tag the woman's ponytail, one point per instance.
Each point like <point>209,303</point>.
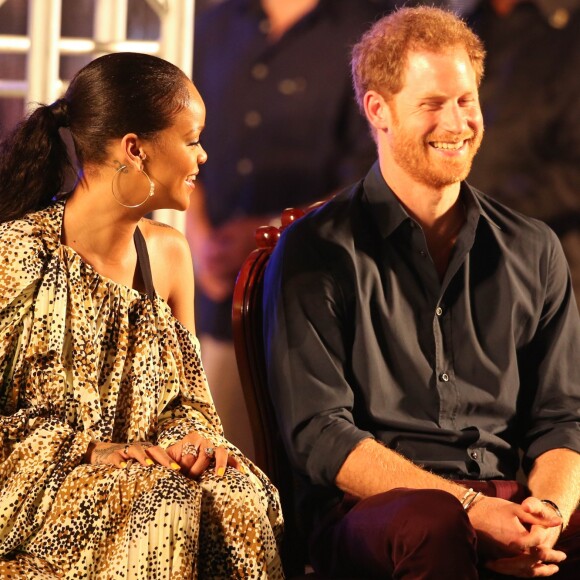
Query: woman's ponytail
<point>34,161</point>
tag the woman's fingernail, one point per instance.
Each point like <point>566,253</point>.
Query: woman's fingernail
<point>123,465</point>
<point>149,461</point>
<point>175,465</point>
<point>221,471</point>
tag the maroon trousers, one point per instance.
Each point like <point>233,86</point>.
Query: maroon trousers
<point>415,534</point>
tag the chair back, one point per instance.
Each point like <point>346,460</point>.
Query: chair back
<point>270,454</point>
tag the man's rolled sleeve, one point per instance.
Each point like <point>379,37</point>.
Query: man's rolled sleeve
<point>331,448</point>
<point>551,364</point>
<point>305,341</point>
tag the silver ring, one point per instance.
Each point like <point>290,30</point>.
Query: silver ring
<point>209,451</point>
<point>189,449</point>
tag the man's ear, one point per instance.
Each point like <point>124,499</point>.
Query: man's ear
<point>377,110</point>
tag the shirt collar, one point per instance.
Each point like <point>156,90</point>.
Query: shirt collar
<point>385,208</point>
<point>388,213</point>
<point>471,197</point>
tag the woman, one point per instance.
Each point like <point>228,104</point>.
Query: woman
<point>113,461</point>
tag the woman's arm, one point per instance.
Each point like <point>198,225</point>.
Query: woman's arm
<point>172,269</point>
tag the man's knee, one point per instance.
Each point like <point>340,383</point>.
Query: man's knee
<point>426,515</point>
<point>408,528</point>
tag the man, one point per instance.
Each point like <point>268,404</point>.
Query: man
<point>283,130</point>
<point>419,334</point>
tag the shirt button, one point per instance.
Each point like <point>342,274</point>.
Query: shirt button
<point>245,166</point>
<point>260,71</point>
<point>253,119</point>
<point>560,18</point>
<point>422,253</point>
<point>264,26</point>
<point>474,455</point>
<point>444,377</point>
<point>439,311</point>
<point>289,87</point>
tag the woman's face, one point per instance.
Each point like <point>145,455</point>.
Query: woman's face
<point>174,157</point>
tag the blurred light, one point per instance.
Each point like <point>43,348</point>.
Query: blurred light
<point>11,44</point>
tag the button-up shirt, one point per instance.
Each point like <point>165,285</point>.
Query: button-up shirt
<point>364,339</point>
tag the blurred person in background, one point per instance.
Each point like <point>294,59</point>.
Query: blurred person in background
<point>284,131</point>
<point>530,98</point>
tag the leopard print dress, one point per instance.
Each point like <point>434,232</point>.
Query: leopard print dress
<point>83,358</point>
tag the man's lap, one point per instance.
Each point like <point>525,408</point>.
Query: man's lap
<point>403,531</point>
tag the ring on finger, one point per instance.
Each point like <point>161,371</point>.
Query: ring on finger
<point>189,449</point>
<point>209,452</point>
<point>126,449</point>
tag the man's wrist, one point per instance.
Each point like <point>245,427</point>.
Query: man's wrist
<point>554,507</point>
<point>470,498</point>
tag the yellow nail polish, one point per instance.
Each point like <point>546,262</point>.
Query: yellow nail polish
<point>175,466</point>
<point>123,464</point>
<point>149,461</point>
<point>221,471</point>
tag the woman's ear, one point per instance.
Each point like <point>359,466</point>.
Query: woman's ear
<point>132,150</point>
<point>377,110</point>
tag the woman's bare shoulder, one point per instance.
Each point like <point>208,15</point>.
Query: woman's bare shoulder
<point>170,258</point>
<point>161,237</point>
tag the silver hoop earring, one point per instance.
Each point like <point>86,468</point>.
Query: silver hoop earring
<point>150,193</point>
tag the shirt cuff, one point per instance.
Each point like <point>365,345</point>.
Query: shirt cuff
<point>331,449</point>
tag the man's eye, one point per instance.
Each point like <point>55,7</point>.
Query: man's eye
<point>431,105</point>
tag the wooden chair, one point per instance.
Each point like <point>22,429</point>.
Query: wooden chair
<point>248,341</point>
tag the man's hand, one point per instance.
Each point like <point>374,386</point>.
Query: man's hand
<point>517,540</point>
<point>527,565</point>
<point>543,535</point>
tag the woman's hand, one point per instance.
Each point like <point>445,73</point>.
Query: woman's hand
<point>145,453</point>
<point>195,454</point>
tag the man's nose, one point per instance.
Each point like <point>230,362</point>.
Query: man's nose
<point>454,119</point>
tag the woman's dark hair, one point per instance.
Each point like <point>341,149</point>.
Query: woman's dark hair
<point>113,95</point>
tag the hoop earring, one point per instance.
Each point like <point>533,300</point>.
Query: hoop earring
<point>150,193</point>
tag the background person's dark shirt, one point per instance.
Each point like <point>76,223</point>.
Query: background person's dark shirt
<point>363,340</point>
<point>282,125</point>
<point>530,99</point>
<point>283,129</point>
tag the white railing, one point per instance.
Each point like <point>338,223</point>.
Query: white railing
<point>43,46</point>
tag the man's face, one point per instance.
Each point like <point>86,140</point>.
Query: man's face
<point>436,126</point>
